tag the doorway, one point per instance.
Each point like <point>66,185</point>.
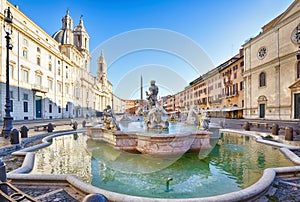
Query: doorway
<point>38,106</point>
<point>262,110</point>
<point>297,106</point>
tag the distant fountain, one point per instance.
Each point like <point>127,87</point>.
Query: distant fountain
<point>125,117</point>
<point>192,117</point>
<point>198,118</point>
<point>204,120</point>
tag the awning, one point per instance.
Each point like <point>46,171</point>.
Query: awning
<point>228,109</point>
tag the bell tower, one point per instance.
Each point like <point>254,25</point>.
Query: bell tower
<point>81,37</point>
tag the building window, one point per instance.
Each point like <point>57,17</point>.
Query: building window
<point>38,80</point>
<point>59,87</point>
<point>67,89</point>
<point>67,107</point>
<point>11,71</point>
<point>25,76</point>
<point>76,93</point>
<point>25,54</point>
<point>262,79</point>
<point>298,70</point>
<point>11,94</point>
<point>38,49</point>
<point>67,75</point>
<point>25,96</point>
<point>50,108</point>
<point>235,88</point>
<point>38,60</point>
<point>58,71</point>
<point>241,85</point>
<point>25,106</point>
<point>11,105</point>
<point>50,84</point>
<point>59,110</point>
<point>50,67</point>
<point>25,42</point>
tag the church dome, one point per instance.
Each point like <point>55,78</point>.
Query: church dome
<point>60,36</point>
<point>65,34</point>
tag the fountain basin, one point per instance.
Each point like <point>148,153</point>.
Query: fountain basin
<point>153,144</point>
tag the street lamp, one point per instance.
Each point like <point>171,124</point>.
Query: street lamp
<point>7,126</point>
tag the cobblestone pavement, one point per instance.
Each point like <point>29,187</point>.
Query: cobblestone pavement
<point>48,193</point>
<point>286,189</point>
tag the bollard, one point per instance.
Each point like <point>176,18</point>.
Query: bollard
<point>3,178</point>
<point>83,123</point>
<point>275,129</point>
<point>247,126</point>
<point>222,124</point>
<point>95,198</point>
<point>289,133</point>
<point>75,124</point>
<point>14,136</point>
<point>50,127</point>
<point>24,131</point>
<point>297,130</point>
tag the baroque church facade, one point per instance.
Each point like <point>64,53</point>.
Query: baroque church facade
<point>272,68</point>
<point>50,76</point>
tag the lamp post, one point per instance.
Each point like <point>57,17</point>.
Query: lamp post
<point>7,126</point>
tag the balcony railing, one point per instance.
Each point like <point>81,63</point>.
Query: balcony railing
<point>232,95</point>
<point>39,88</point>
<point>218,101</point>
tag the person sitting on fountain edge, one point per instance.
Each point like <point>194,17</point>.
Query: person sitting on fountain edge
<point>152,96</point>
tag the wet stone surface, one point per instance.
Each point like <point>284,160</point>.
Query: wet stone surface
<point>45,194</point>
<point>287,189</point>
<point>58,196</point>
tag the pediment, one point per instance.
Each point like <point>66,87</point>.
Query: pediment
<point>295,85</point>
<point>290,11</point>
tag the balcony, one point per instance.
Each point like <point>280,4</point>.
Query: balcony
<point>39,88</point>
<point>227,81</point>
<point>217,101</point>
<point>232,95</point>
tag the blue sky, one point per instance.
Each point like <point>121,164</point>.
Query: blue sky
<point>219,28</point>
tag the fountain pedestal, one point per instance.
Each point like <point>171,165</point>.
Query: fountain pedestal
<point>154,144</point>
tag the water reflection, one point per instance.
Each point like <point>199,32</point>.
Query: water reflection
<point>237,162</point>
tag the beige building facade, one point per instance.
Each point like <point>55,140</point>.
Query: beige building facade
<point>272,79</point>
<point>50,75</point>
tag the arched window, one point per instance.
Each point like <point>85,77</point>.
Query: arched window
<point>298,70</point>
<point>262,79</point>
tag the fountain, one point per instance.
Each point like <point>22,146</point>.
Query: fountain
<point>156,139</point>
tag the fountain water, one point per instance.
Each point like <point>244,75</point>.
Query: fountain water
<point>152,140</point>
